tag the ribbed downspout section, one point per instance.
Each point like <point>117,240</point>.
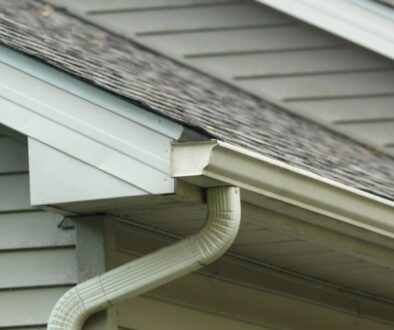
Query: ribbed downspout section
<point>155,269</point>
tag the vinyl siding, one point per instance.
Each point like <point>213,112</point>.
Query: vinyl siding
<point>37,258</point>
<point>267,53</point>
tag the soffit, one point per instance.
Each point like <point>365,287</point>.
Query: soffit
<point>275,298</point>
<point>265,238</point>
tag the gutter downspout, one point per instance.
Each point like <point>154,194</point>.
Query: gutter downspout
<point>155,269</point>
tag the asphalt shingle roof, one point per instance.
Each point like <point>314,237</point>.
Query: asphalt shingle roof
<point>182,94</point>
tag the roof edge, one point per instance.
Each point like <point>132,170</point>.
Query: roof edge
<point>116,104</point>
<point>358,21</point>
<point>217,163</point>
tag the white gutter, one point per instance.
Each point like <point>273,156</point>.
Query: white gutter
<point>366,23</point>
<point>276,186</point>
<point>155,269</point>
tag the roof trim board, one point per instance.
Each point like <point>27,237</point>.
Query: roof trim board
<point>86,123</point>
<point>88,92</point>
<point>352,20</point>
<point>76,182</point>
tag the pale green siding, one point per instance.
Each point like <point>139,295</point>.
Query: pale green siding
<point>37,258</point>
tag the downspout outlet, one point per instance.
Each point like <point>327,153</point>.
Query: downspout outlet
<point>155,269</point>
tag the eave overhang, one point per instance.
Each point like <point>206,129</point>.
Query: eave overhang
<point>85,144</point>
<point>366,23</point>
<point>306,198</point>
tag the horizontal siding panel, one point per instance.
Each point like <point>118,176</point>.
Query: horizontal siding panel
<point>21,308</point>
<point>14,192</point>
<point>209,17</point>
<point>29,328</point>
<point>334,110</point>
<point>245,40</point>
<point>33,230</point>
<point>13,156</point>
<point>389,149</point>
<point>381,133</point>
<point>105,5</point>
<point>37,268</point>
<point>290,63</point>
<point>325,86</point>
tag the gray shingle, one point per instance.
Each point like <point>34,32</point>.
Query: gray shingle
<point>189,97</point>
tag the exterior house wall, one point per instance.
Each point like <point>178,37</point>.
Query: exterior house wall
<point>37,257</point>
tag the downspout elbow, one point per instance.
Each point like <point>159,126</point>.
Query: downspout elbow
<point>155,269</point>
<point>222,223</point>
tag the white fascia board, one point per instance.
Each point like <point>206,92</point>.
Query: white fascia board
<point>89,93</point>
<point>354,20</point>
<point>61,179</point>
<point>83,122</point>
<point>323,202</point>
